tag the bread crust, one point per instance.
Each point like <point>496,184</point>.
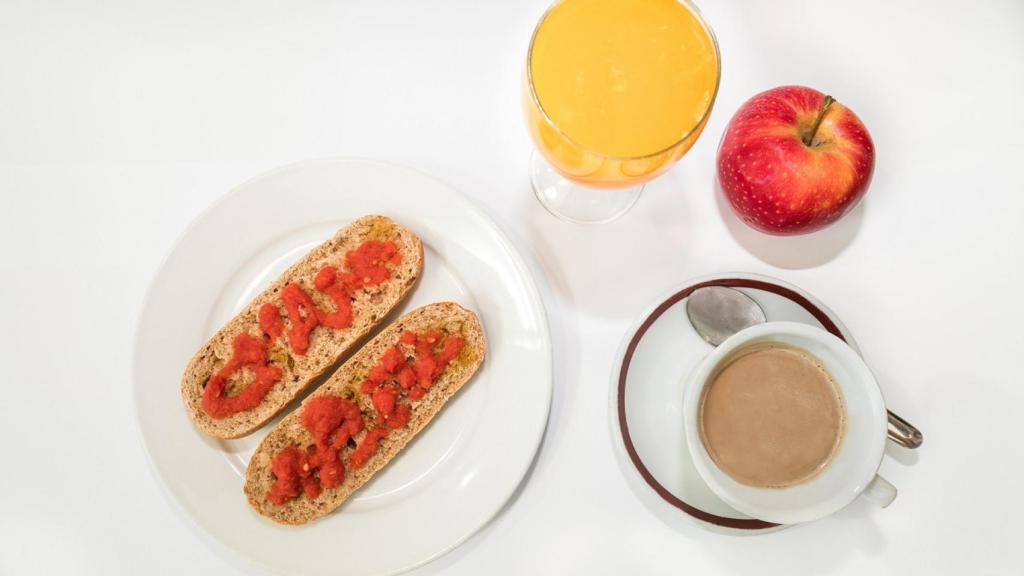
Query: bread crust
<point>327,346</point>
<point>345,382</point>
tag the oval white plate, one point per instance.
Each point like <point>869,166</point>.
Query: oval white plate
<point>452,478</point>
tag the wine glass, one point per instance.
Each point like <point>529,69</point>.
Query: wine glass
<point>615,92</point>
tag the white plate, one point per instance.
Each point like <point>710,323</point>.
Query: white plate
<point>449,481</point>
<point>646,398</point>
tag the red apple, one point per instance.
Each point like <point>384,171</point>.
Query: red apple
<point>793,160</point>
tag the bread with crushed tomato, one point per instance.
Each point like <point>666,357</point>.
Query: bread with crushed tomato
<point>448,317</point>
<point>327,346</point>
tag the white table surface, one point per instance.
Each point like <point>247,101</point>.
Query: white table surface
<point>120,121</point>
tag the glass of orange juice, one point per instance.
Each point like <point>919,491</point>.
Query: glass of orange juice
<point>616,91</point>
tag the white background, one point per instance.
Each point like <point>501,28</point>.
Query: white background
<point>120,121</point>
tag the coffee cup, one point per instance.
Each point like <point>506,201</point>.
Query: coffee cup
<point>849,468</point>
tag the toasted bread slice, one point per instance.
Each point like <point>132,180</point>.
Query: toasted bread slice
<point>345,382</point>
<point>326,345</point>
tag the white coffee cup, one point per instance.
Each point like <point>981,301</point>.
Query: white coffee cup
<point>853,470</point>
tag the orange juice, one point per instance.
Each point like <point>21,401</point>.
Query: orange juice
<point>619,89</point>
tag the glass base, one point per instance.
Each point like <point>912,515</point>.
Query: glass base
<point>574,202</point>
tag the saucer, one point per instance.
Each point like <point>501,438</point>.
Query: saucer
<point>647,397</point>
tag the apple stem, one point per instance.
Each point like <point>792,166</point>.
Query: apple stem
<point>809,137</point>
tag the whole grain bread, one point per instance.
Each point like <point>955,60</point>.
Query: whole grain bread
<point>345,382</point>
<point>326,346</point>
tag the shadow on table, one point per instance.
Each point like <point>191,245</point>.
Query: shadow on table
<point>609,269</point>
<point>815,548</point>
<point>792,252</point>
<point>812,548</point>
<point>905,456</point>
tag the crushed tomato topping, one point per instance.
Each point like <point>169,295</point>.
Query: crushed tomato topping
<point>249,352</point>
<point>367,268</point>
<point>402,374</point>
<point>331,421</point>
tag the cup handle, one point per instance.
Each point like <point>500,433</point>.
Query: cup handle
<point>880,491</point>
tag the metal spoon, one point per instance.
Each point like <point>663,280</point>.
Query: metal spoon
<point>717,312</point>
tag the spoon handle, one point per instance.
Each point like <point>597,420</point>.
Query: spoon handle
<point>904,433</point>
